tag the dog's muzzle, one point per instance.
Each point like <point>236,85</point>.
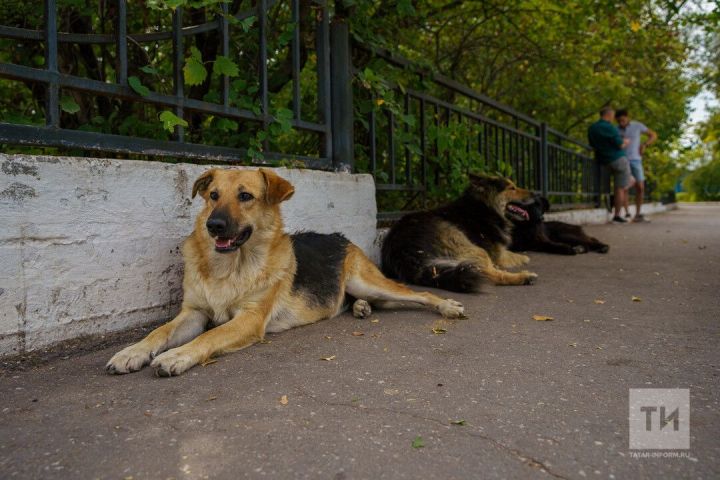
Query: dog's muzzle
<point>230,244</point>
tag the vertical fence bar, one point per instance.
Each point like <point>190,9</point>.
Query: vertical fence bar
<point>544,159</point>
<point>262,67</point>
<point>423,153</point>
<point>342,100</point>
<point>178,59</point>
<point>52,89</point>
<point>296,58</point>
<point>373,143</point>
<point>121,42</point>
<point>406,148</point>
<point>436,109</point>
<point>391,144</point>
<point>225,39</point>
<point>322,47</point>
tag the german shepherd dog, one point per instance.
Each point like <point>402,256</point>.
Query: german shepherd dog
<point>244,276</point>
<point>458,246</point>
<point>551,237</point>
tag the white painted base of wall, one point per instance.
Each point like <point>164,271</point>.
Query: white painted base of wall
<point>90,246</point>
<point>601,215</point>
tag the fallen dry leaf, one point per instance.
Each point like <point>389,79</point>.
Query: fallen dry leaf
<point>542,318</point>
<point>327,359</point>
<point>458,422</point>
<point>574,344</point>
<point>210,399</point>
<point>599,302</point>
<point>209,361</point>
<point>636,299</point>
<point>283,400</point>
<point>374,320</point>
<point>439,330</point>
<point>358,334</point>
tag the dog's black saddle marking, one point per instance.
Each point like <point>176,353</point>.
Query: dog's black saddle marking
<point>320,260</point>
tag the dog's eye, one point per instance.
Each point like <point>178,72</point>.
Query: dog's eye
<point>214,195</point>
<point>245,196</point>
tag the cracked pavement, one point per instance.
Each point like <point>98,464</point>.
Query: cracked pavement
<point>538,398</point>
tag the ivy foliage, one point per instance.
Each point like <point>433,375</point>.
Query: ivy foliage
<point>150,70</point>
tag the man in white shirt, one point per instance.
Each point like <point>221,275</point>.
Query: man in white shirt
<point>633,131</point>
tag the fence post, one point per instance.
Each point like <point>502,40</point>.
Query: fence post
<point>544,159</point>
<point>341,95</point>
<point>597,184</point>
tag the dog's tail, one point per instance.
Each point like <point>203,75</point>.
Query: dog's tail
<point>444,273</point>
<point>452,275</point>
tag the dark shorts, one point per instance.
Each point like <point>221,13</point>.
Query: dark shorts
<point>620,170</point>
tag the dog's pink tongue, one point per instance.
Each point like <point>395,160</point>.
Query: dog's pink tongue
<point>223,242</point>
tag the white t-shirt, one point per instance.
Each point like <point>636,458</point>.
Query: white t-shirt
<point>633,132</point>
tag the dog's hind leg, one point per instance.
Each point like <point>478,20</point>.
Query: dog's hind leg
<point>187,325</point>
<point>365,281</point>
<point>508,259</point>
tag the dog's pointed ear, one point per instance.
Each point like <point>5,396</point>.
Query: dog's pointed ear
<point>277,189</point>
<point>477,181</point>
<point>202,183</point>
<point>545,204</point>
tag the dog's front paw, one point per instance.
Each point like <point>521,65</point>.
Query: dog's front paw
<point>129,359</point>
<point>529,277</point>
<point>451,309</point>
<point>579,249</point>
<point>361,309</point>
<point>173,362</point>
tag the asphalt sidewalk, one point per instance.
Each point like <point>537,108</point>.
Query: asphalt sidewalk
<point>377,398</point>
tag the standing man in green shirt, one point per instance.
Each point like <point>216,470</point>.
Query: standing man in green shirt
<point>609,147</point>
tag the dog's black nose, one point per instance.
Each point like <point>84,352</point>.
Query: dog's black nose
<point>216,226</point>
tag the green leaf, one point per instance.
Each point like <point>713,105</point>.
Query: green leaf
<point>405,8</point>
<point>137,85</point>
<point>226,124</point>
<point>458,422</point>
<point>247,23</point>
<point>170,120</point>
<point>238,85</point>
<point>194,71</point>
<point>68,104</point>
<point>149,70</point>
<point>224,66</point>
<point>418,442</point>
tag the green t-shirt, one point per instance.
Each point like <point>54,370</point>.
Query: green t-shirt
<point>606,141</point>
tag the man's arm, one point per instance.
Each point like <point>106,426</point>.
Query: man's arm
<point>651,138</point>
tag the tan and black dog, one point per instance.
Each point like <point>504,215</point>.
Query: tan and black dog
<point>458,246</point>
<point>245,277</point>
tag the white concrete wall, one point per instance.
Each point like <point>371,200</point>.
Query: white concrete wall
<point>601,215</point>
<point>90,246</point>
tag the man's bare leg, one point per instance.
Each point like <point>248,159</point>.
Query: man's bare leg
<point>639,194</point>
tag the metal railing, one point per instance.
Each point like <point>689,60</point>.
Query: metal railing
<point>499,138</point>
<point>408,159</point>
<point>52,134</point>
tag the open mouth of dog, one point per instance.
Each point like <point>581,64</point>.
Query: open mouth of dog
<point>516,212</point>
<point>230,244</point>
